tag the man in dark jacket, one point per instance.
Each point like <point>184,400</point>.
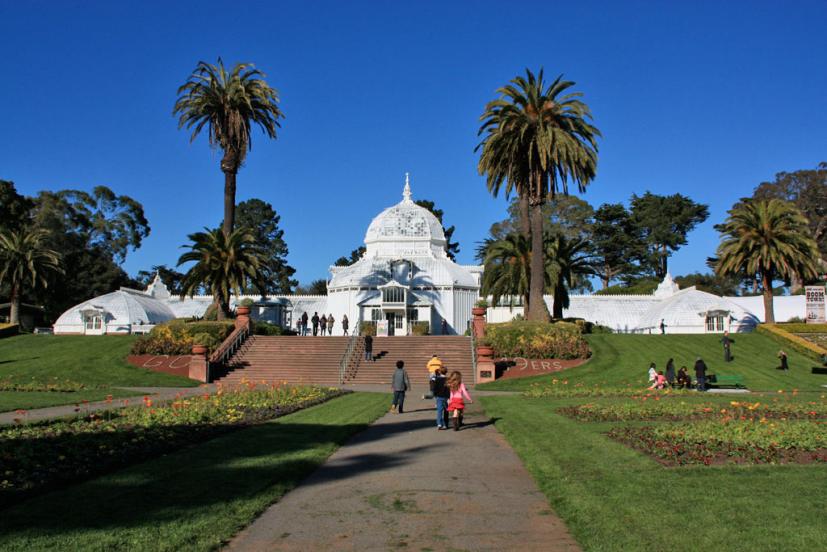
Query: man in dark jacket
<point>399,384</point>
<point>368,347</point>
<point>700,374</point>
<point>727,343</point>
<point>304,323</point>
<point>315,322</point>
<point>440,391</point>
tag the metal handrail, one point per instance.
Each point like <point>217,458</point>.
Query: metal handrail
<point>347,357</point>
<point>230,345</point>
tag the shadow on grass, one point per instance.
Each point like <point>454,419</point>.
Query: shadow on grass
<point>204,481</point>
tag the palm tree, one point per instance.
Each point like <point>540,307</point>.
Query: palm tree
<point>769,238</point>
<point>26,260</point>
<point>537,139</point>
<point>567,259</point>
<point>228,104</point>
<point>222,265</point>
<point>507,265</point>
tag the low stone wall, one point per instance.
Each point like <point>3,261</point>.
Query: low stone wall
<point>523,367</point>
<point>178,365</point>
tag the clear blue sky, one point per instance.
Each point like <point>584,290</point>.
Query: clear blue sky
<point>703,98</point>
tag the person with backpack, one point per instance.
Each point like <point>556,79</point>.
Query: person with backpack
<point>315,322</point>
<point>304,323</point>
<point>322,324</point>
<point>440,392</point>
<point>399,384</point>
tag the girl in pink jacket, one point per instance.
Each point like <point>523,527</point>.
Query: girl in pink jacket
<point>456,404</point>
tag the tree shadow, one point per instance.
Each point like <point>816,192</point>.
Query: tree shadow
<point>11,361</point>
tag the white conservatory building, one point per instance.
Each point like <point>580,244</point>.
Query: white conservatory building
<point>405,277</point>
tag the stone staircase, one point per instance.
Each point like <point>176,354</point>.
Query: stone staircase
<point>316,359</point>
<point>416,351</point>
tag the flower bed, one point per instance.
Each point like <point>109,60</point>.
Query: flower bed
<point>562,388</point>
<point>177,337</point>
<point>650,408</point>
<point>730,441</point>
<point>36,457</point>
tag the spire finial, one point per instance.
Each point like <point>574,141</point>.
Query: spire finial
<point>406,193</point>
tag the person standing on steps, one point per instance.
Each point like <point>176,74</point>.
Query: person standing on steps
<point>345,324</point>
<point>304,323</point>
<point>330,322</point>
<point>399,384</point>
<point>322,324</point>
<point>440,392</point>
<point>315,321</point>
<point>456,400</point>
<point>368,347</point>
<point>727,343</point>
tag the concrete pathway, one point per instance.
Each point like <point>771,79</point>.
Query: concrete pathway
<point>158,394</point>
<point>403,484</point>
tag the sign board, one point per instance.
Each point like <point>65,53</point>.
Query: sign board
<point>382,328</point>
<point>815,304</point>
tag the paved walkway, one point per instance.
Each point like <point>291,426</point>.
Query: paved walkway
<point>403,484</point>
<point>158,394</point>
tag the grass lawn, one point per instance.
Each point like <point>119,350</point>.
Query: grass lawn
<point>619,359</point>
<point>98,362</point>
<point>194,499</point>
<point>26,400</point>
<point>614,498</point>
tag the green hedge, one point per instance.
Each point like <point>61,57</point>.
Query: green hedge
<point>367,328</point>
<point>421,328</point>
<point>265,328</point>
<point>526,339</point>
<point>803,328</point>
<point>784,337</point>
<point>8,330</point>
<point>176,337</point>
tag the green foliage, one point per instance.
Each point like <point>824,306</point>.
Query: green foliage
<point>211,314</point>
<point>14,208</point>
<point>710,283</point>
<point>316,287</point>
<point>421,328</point>
<point>537,340</point>
<point>807,190</point>
<point>662,223</point>
<point>355,255</point>
<point>247,302</point>
<point>451,248</point>
<point>367,327</point>
<point>223,263</point>
<point>767,238</point>
<point>507,267</point>
<point>8,330</point>
<point>26,262</point>
<point>616,243</point>
<point>536,140</point>
<point>275,276</point>
<point>802,327</point>
<point>786,339</point>
<point>170,277</point>
<point>638,286</point>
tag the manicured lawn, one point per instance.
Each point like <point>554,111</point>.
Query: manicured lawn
<point>614,498</point>
<point>97,363</point>
<point>195,499</point>
<point>620,359</point>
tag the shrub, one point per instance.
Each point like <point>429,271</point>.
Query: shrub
<point>420,328</point>
<point>537,340</point>
<point>266,328</point>
<point>481,303</point>
<point>176,337</point>
<point>211,314</point>
<point>367,328</point>
<point>802,327</point>
<point>8,330</point>
<point>246,302</point>
<point>206,340</point>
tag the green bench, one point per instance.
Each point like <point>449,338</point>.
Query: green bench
<point>730,380</point>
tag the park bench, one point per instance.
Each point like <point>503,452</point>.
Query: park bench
<point>729,380</point>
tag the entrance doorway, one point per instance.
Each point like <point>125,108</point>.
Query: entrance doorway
<point>391,318</point>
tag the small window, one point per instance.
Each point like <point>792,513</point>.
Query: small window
<point>393,295</point>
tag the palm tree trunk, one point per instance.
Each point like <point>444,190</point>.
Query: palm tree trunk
<point>14,307</point>
<point>559,292</point>
<point>537,310</point>
<point>229,202</point>
<point>525,230</point>
<point>769,313</point>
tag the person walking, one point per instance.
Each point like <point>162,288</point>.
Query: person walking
<point>434,365</point>
<point>700,374</point>
<point>345,324</point>
<point>304,319</point>
<point>315,322</point>
<point>727,343</point>
<point>330,322</point>
<point>662,326</point>
<point>399,384</point>
<point>456,400</point>
<point>438,384</point>
<point>368,347</point>
<point>670,372</point>
<point>322,324</point>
